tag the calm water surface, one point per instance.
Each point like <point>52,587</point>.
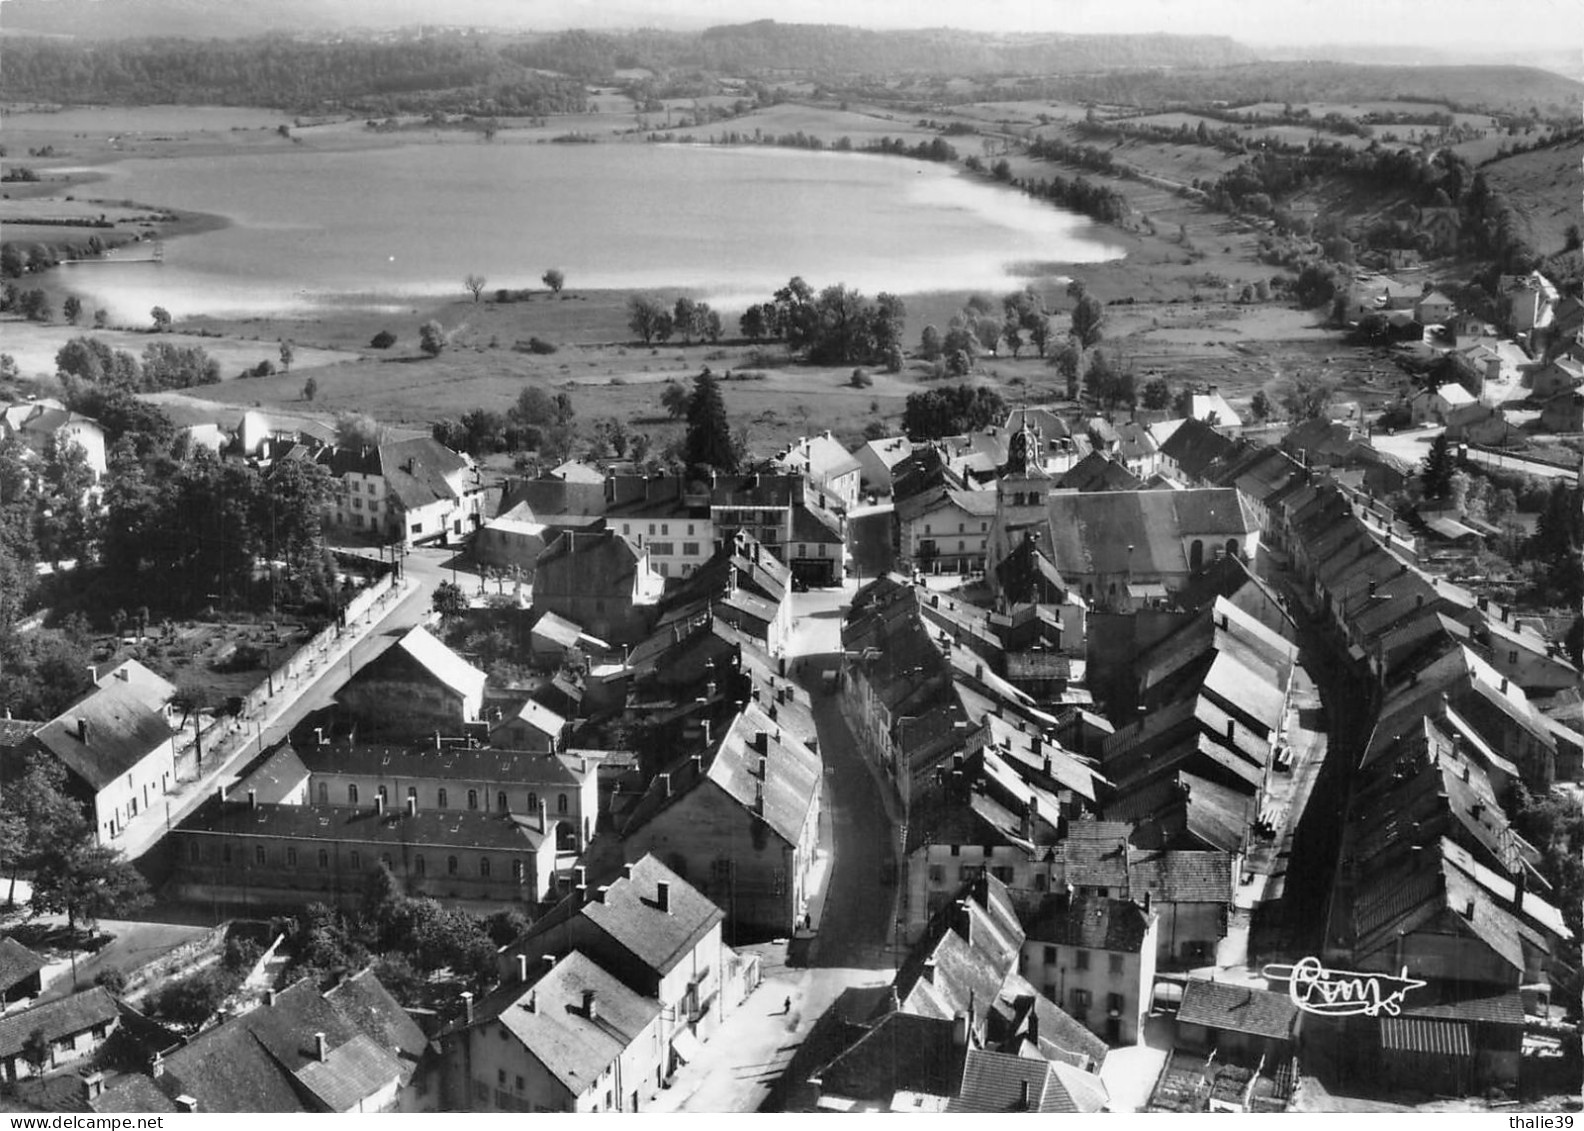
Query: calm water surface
<point>370,227</point>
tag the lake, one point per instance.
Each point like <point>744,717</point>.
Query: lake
<point>373,226</point>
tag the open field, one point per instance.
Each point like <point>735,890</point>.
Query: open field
<point>1543,187</point>
<point>34,345</point>
<point>828,123</point>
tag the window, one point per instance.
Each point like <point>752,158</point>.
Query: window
<point>356,860</point>
<point>533,803</point>
<point>472,799</point>
<point>1002,872</point>
<point>1512,657</point>
<point>484,867</point>
<point>651,529</point>
<point>961,545</point>
<point>1082,959</point>
<point>352,794</point>
<point>937,873</point>
<point>561,803</point>
<point>442,799</point>
<point>417,528</point>
<point>519,871</point>
<point>1114,963</point>
<point>1050,956</point>
<point>1080,997</point>
<point>969,872</point>
<point>519,1083</point>
<point>260,857</point>
<point>690,549</point>
<point>419,867</point>
<point>291,858</point>
<point>324,793</point>
<point>1114,1003</point>
<point>412,791</point>
<point>690,534</point>
<point>802,550</point>
<point>451,865</point>
<point>383,796</point>
<point>1039,882</point>
<point>956,849</point>
<point>324,859</point>
<point>500,801</point>
<point>500,1073</point>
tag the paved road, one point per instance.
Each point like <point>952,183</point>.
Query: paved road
<point>1413,445</point>
<point>424,570</point>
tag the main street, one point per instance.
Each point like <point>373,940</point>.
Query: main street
<point>739,1068</point>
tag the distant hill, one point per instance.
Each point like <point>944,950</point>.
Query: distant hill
<point>1499,89</point>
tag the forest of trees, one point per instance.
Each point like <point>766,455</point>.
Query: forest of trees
<point>453,73</point>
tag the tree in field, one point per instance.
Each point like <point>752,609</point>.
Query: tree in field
<point>382,340</point>
<point>162,320</point>
<point>685,318</point>
<point>87,881</point>
<point>951,410</point>
<point>286,355</point>
<point>1068,359</point>
<point>101,318</point>
<point>1260,406</point>
<point>674,399</point>
<point>1088,321</point>
<point>644,315</point>
<point>1024,317</point>
<point>474,285</point>
<point>72,309</point>
<point>34,305</point>
<point>310,388</point>
<point>709,441</point>
<point>431,338</point>
<point>554,279</point>
<point>713,328</point>
<point>754,324</point>
<point>1107,381</point>
<point>33,810</point>
<point>930,343</point>
<point>1157,394</point>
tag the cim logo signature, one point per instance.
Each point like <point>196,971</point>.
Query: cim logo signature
<point>1342,993</point>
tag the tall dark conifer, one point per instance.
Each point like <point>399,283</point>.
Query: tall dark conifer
<point>709,441</point>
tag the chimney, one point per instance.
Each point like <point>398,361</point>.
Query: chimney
<point>665,785</point>
<point>959,1026</point>
<point>186,1105</point>
<point>269,997</point>
<point>92,1085</point>
<point>663,896</point>
<point>762,741</point>
<point>599,893</point>
<point>929,971</point>
<point>467,1006</point>
<point>1477,810</point>
<point>764,769</point>
<point>1231,730</point>
<point>252,799</point>
<point>590,1008</point>
<point>627,871</point>
<point>157,1066</point>
<point>522,967</point>
<point>322,1047</point>
<point>220,794</point>
<point>531,1002</point>
<point>379,804</point>
<point>1520,881</point>
<point>544,816</point>
<point>82,731</point>
<point>759,797</point>
<point>1504,685</point>
<point>580,876</point>
<point>1468,909</point>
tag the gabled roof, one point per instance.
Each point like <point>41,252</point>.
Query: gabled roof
<point>1194,445</point>
<point>1099,472</point>
<point>1096,854</point>
<point>437,829</point>
<point>536,715</point>
<point>996,1082</point>
<point>1238,1009</point>
<point>822,456</point>
<point>122,730</point>
<point>417,471</point>
<point>630,915</point>
<point>550,1017</point>
<point>1181,876</point>
<point>1142,532</point>
<point>1208,406</point>
<point>155,689</point>
<point>273,780</point>
<point>899,1052</point>
<point>365,1002</point>
<point>441,662</point>
<point>63,1017</point>
<point>1090,921</point>
<point>17,962</point>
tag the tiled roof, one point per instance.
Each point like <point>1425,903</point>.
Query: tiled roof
<point>60,1018</point>
<point>453,762</point>
<point>122,730</point>
<point>446,666</point>
<point>13,731</point>
<point>17,962</point>
<point>900,1052</point>
<point>1425,1035</point>
<point>366,1003</point>
<point>1180,876</point>
<point>1238,1009</point>
<point>350,1074</point>
<point>630,915</point>
<point>275,779</point>
<point>1494,1009</point>
<point>1092,922</point>
<point>549,1016</point>
<point>1099,472</point>
<point>1092,533</point>
<point>995,1082</point>
<point>1194,445</point>
<point>132,1094</point>
<point>1096,854</point>
<point>792,772</point>
<point>428,828</point>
